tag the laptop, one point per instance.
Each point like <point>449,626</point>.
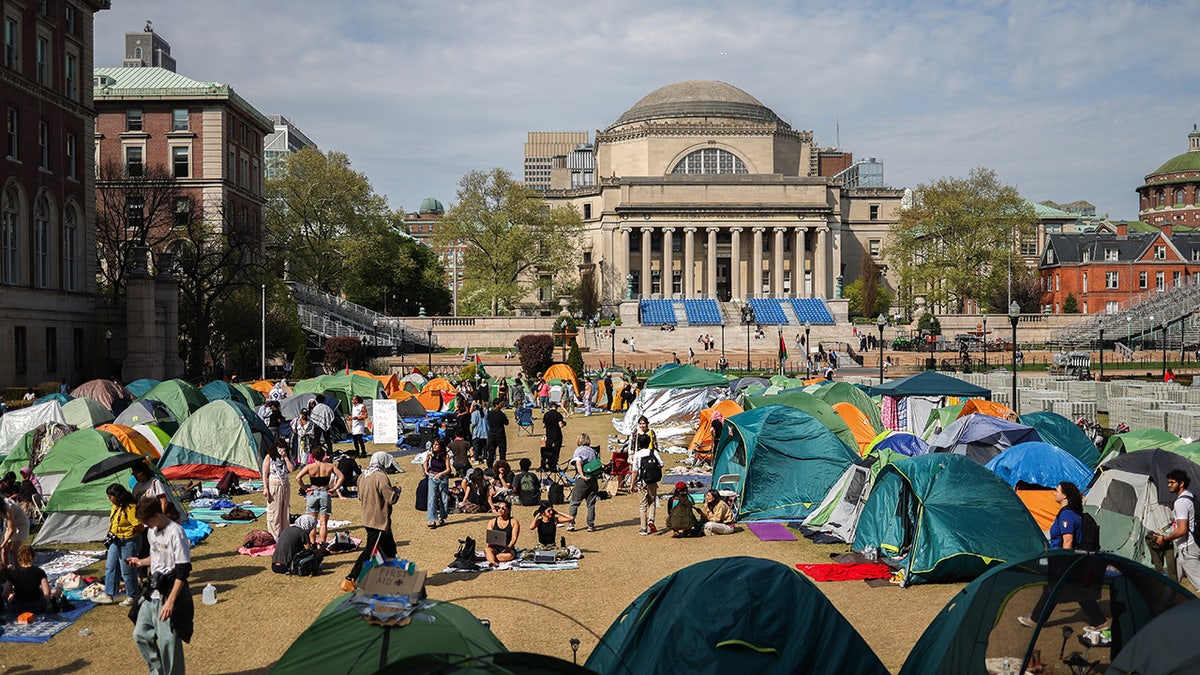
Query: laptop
<point>497,538</point>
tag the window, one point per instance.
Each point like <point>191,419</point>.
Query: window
<point>19,361</point>
<point>1085,285</point>
<point>710,161</point>
<point>244,172</point>
<point>1142,279</point>
<point>41,242</point>
<point>1087,255</point>
<point>43,146</point>
<point>179,161</point>
<point>656,281</point>
<point>13,128</point>
<point>137,53</point>
<point>133,161</point>
<point>43,7</point>
<point>1175,278</point>
<point>42,55</point>
<point>1160,252</point>
<point>51,349</point>
<point>179,119</point>
<point>183,210</point>
<point>70,159</point>
<point>134,216</point>
<point>1112,307</point>
<point>874,212</point>
<point>1112,279</point>
<point>70,17</point>
<point>10,228</point>
<point>1161,199</point>
<point>873,247</point>
<point>70,249</point>
<point>133,120</point>
<point>1085,307</point>
<point>676,281</point>
<point>1056,286</point>
<point>1111,254</point>
<point>11,47</point>
<point>587,211</point>
<point>70,77</point>
<point>1028,248</point>
<point>1178,196</point>
<point>1160,280</point>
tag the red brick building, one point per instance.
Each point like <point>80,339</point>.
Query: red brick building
<point>1171,194</point>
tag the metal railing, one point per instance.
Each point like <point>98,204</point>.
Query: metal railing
<point>324,315</point>
<point>1142,318</point>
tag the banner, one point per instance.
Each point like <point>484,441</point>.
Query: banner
<point>385,421</point>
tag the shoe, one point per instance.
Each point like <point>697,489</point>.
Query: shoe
<point>348,586</point>
<point>650,526</point>
<point>643,531</point>
<point>103,599</point>
<point>591,528</point>
<point>127,602</point>
<point>1026,621</point>
<point>442,522</point>
<point>570,528</point>
<point>432,525</point>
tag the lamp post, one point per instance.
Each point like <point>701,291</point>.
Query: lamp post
<point>747,319</point>
<point>564,340</point>
<point>1014,315</point>
<point>1101,353</point>
<point>429,341</point>
<point>108,351</point>
<point>1151,333</point>
<point>262,375</point>
<point>722,338</point>
<point>1164,372</point>
<point>881,321</point>
<point>985,343</point>
<point>807,349</point>
<point>1129,334</point>
<point>612,330</point>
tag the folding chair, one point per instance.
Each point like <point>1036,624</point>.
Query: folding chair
<point>524,415</point>
<point>728,486</point>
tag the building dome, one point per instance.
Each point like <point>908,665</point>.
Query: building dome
<point>431,205</point>
<point>698,98</point>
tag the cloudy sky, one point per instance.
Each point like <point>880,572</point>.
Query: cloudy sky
<point>1065,100</point>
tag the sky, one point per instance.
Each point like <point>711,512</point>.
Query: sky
<point>1064,100</point>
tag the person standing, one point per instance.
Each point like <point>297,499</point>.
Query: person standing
<point>148,485</point>
<point>585,489</point>
<point>304,431</point>
<point>323,478</point>
<point>460,456</point>
<point>358,425</point>
<point>480,433</point>
<point>608,391</point>
<point>164,619</point>
<point>437,470</point>
<point>497,421</point>
<point>378,495</point>
<point>588,390</point>
<point>16,531</point>
<point>1067,533</point>
<point>647,469</point>
<point>543,392</point>
<point>554,423</point>
<point>1187,553</point>
<point>276,467</point>
<point>322,418</point>
<point>124,542</point>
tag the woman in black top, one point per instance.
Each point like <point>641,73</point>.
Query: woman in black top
<point>503,522</point>
<point>27,589</point>
<point>546,522</point>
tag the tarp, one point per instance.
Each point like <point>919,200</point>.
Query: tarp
<point>131,440</point>
<point>15,423</point>
<point>108,393</point>
<point>676,626</point>
<point>220,390</point>
<point>34,445</point>
<point>953,517</point>
<point>139,387</point>
<point>822,411</point>
<point>930,383</point>
<point>1165,646</point>
<point>858,423</point>
<point>1038,463</point>
<point>900,442</point>
<point>981,437</point>
<point>1060,431</point>
<point>222,435</point>
<point>686,377</point>
<point>181,398</point>
<point>703,438</point>
<point>86,413</point>
<point>148,411</point>
<point>341,641</point>
<point>1140,439</point>
<point>843,392</point>
<point>263,387</point>
<point>787,460</point>
<point>563,372</point>
<point>979,624</point>
<point>672,412</point>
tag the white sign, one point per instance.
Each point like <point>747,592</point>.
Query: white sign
<point>383,416</point>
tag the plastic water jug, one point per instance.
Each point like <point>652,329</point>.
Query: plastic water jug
<point>209,596</point>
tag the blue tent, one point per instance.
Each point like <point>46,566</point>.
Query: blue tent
<point>1038,463</point>
<point>220,390</point>
<point>1060,431</point>
<point>981,437</point>
<point>139,387</point>
<point>902,442</point>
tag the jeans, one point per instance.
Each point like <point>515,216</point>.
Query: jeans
<point>438,506</point>
<point>160,647</point>
<point>649,504</point>
<point>116,568</point>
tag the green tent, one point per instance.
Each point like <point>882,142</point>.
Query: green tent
<point>1141,439</point>
<point>341,641</point>
<point>254,397</point>
<point>939,419</point>
<point>787,460</point>
<point>812,405</point>
<point>733,615</point>
<point>221,436</point>
<point>341,386</point>
<point>954,518</point>
<point>930,383</point>
<point>843,392</point>
<point>181,398</point>
<point>1058,430</point>
<point>77,511</point>
<point>86,413</point>
<point>685,377</point>
<point>220,390</point>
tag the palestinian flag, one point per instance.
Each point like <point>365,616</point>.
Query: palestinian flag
<point>782,349</point>
<point>479,369</point>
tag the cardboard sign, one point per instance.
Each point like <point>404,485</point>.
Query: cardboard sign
<point>392,581</point>
<point>385,420</point>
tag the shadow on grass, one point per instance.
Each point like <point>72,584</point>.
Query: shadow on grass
<point>231,573</point>
<point>447,579</point>
<point>76,666</point>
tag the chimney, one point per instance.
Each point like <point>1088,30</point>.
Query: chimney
<point>1166,229</point>
<point>1122,229</point>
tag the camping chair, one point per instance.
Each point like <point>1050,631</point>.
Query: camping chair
<point>728,486</point>
<point>39,509</point>
<point>618,469</point>
<point>524,415</point>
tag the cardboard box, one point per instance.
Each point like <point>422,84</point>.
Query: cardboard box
<point>391,581</point>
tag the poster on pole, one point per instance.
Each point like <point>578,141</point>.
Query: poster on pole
<point>383,416</point>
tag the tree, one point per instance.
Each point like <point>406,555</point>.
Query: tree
<point>1070,304</point>
<point>1026,289</point>
<point>868,298</point>
<point>575,359</point>
<point>956,232</point>
<point>239,340</point>
<point>513,243</point>
<point>342,352</point>
<point>588,293</point>
<point>536,352</point>
<point>384,261</point>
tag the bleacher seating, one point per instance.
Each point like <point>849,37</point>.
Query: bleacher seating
<point>657,312</point>
<point>812,310</point>
<point>703,312</point>
<point>767,311</point>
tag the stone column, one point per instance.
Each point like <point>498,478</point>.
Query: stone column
<point>735,263</point>
<point>668,262</point>
<point>626,263</point>
<point>756,261</point>
<point>646,262</point>
<point>798,269</point>
<point>777,271</point>
<point>821,263</point>
<point>710,268</point>
<point>689,262</point>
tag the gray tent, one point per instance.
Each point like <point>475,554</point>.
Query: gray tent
<point>1166,646</point>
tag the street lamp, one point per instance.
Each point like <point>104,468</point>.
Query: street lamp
<point>564,340</point>
<point>881,321</point>
<point>1014,315</point>
<point>429,341</point>
<point>1165,325</point>
<point>807,349</point>
<point>747,319</point>
<point>1102,354</point>
<point>985,343</point>
<point>108,351</point>
<point>722,338</point>
<point>263,372</point>
<point>1129,335</point>
<point>612,330</point>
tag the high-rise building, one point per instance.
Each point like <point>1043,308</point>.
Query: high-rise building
<point>541,147</point>
<point>287,139</point>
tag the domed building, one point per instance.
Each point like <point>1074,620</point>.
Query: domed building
<point>702,191</point>
<point>1171,193</point>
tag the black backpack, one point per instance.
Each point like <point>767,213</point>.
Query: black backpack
<point>1089,535</point>
<point>306,563</point>
<point>650,469</point>
<point>529,489</point>
<point>556,493</point>
<point>464,559</point>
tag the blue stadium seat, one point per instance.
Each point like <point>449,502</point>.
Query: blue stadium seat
<point>657,312</point>
<point>812,310</point>
<point>767,311</point>
<point>702,312</point>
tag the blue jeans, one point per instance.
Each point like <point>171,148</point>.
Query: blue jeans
<point>116,567</point>
<point>438,504</point>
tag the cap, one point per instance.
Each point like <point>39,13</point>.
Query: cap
<point>681,485</point>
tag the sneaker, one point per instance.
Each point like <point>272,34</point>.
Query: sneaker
<point>1026,621</point>
<point>570,528</point>
<point>643,531</point>
<point>348,586</point>
<point>127,602</point>
<point>103,599</point>
<point>591,528</point>
<point>651,528</point>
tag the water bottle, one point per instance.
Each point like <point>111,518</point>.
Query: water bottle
<point>209,596</point>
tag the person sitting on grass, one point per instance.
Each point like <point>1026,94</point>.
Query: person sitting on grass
<point>477,495</point>
<point>546,521</point>
<point>502,480</point>
<point>503,522</point>
<point>28,590</point>
<point>681,518</point>
<point>294,538</point>
<point>718,516</point>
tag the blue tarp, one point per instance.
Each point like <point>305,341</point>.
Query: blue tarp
<point>1038,463</point>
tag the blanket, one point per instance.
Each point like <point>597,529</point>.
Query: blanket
<point>57,563</point>
<point>214,515</point>
<point>571,563</point>
<point>44,626</point>
<point>846,571</point>
<point>267,551</point>
<point>770,531</point>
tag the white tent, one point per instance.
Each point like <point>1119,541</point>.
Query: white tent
<point>15,423</point>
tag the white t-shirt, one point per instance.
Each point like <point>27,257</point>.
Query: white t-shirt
<point>1185,509</point>
<point>583,454</point>
<point>168,547</point>
<point>149,488</point>
<point>358,418</point>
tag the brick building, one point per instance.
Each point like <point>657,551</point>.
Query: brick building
<point>1171,193</point>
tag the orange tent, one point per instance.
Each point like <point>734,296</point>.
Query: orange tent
<point>400,395</point>
<point>390,382</point>
<point>859,423</point>
<point>435,400</point>
<point>131,440</point>
<point>702,442</point>
<point>263,387</point>
<point>438,384</point>
<point>563,372</point>
<point>1041,504</point>
<point>978,405</point>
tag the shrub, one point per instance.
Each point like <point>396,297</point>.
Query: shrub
<point>929,322</point>
<point>536,352</point>
<point>341,352</point>
<point>575,358</point>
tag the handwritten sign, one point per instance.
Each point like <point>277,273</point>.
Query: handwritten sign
<point>387,424</point>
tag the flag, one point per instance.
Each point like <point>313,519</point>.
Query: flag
<point>601,365</point>
<point>466,354</point>
<point>347,367</point>
<point>479,370</point>
<point>782,348</point>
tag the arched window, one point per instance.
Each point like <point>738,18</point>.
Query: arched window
<point>70,248</point>
<point>137,52</point>
<point>1178,196</point>
<point>10,221</point>
<point>709,161</point>
<point>1161,198</point>
<point>41,242</point>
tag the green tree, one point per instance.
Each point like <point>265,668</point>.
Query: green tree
<point>854,294</point>
<point>1070,304</point>
<point>239,339</point>
<point>536,352</point>
<point>575,359</point>
<point>955,233</point>
<point>384,261</point>
<point>1026,289</point>
<point>513,243</point>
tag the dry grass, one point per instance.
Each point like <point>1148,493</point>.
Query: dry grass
<point>259,614</point>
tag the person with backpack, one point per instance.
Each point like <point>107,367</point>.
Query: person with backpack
<point>647,470</point>
<point>295,539</point>
<point>527,485</point>
<point>1187,552</point>
<point>1070,532</point>
<point>587,480</point>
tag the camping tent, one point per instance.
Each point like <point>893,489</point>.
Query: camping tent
<point>15,423</point>
<point>33,446</point>
<point>562,371</point>
<point>1034,469</point>
<point>343,387</point>
<point>407,405</point>
<point>61,399</point>
<point>935,507</point>
<point>254,397</point>
<point>940,418</point>
<point>844,392</point>
<point>340,640</point>
<point>822,411</point>
<point>672,400</point>
<point>220,436</point>
<point>981,437</point>
<point>220,390</point>
<point>787,461</point>
<point>979,625</point>
<point>181,398</point>
<point>858,423</point>
<point>836,517</point>
<point>984,407</point>
<point>149,411</point>
<point>439,384</point>
<point>131,440</point>
<point>899,441</point>
<point>158,438</point>
<point>1140,439</point>
<point>703,438</point>
<point>1166,646</point>
<point>930,383</point>
<point>733,615</point>
<point>108,393</point>
<point>1058,430</point>
<point>86,413</point>
<point>139,387</point>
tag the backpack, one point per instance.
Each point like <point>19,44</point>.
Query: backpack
<point>258,539</point>
<point>650,469</point>
<point>529,489</point>
<point>306,563</point>
<point>464,559</point>
<point>556,494</point>
<point>1089,535</point>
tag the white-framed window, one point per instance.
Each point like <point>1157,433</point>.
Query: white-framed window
<point>1160,252</point>
<point>70,248</point>
<point>1160,280</point>
<point>1143,279</point>
<point>1110,254</point>
<point>1178,196</point>
<point>10,229</point>
<point>179,119</point>
<point>41,242</point>
<point>1112,307</point>
<point>1112,279</point>
<point>133,120</point>
<point>1056,285</point>
<point>180,161</point>
<point>1028,247</point>
<point>873,246</point>
<point>1175,277</point>
<point>43,146</point>
<point>710,161</point>
<point>71,160</point>
<point>1085,285</point>
<point>42,58</point>
<point>134,166</point>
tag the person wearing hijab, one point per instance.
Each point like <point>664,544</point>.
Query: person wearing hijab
<point>378,495</point>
